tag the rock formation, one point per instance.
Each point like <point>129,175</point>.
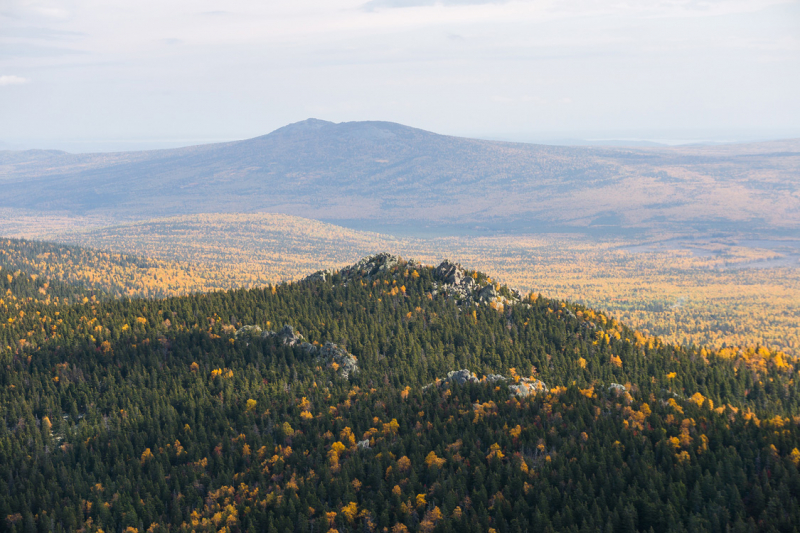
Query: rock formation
<point>521,389</point>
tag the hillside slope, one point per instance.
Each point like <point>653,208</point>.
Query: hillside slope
<point>362,173</point>
<point>405,398</point>
<point>58,273</point>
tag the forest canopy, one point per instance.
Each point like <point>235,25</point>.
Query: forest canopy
<point>338,403</point>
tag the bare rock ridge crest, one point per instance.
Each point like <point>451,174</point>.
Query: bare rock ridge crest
<point>452,280</point>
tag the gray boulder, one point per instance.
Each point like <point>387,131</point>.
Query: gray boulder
<point>320,275</point>
<point>450,273</point>
<point>309,348</point>
<point>527,386</point>
<point>461,376</point>
<point>288,336</point>
<point>616,387</point>
<point>371,266</point>
<point>488,293</point>
<point>247,332</point>
<point>348,364</point>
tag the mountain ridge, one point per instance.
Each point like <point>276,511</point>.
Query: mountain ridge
<point>362,173</point>
<point>353,403</point>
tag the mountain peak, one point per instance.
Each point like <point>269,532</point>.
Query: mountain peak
<point>309,124</point>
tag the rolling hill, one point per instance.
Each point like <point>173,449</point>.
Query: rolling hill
<point>389,176</point>
<point>709,293</point>
<point>389,396</point>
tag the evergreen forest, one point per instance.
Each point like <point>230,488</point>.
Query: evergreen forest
<point>389,396</point>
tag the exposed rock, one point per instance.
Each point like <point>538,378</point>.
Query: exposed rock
<point>309,348</point>
<point>371,266</point>
<point>616,387</point>
<point>348,364</point>
<point>526,386</point>
<point>363,444</point>
<point>487,294</point>
<point>286,335</point>
<point>523,388</point>
<point>451,280</point>
<point>320,275</point>
<point>449,273</point>
<point>455,282</point>
<point>461,376</point>
<point>247,331</point>
<point>329,353</point>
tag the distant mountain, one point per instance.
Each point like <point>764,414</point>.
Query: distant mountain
<point>381,174</point>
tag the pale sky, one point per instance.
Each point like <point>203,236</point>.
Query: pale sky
<point>121,74</point>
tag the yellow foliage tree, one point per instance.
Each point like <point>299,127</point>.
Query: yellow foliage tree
<point>350,512</point>
<point>433,461</point>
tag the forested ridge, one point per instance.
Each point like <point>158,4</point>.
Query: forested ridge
<point>78,271</point>
<point>711,292</point>
<point>172,415</point>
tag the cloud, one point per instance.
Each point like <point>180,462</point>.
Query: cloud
<point>191,67</point>
<point>378,4</point>
<point>12,80</point>
<point>540,10</point>
<point>52,12</point>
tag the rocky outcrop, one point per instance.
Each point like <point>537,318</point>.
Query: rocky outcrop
<point>247,332</point>
<point>453,281</point>
<point>450,280</point>
<point>617,388</point>
<point>526,386</point>
<point>371,266</point>
<point>320,275</point>
<point>487,294</point>
<point>365,268</point>
<point>460,377</point>
<point>521,389</point>
<point>450,273</point>
<point>346,363</point>
<point>287,336</point>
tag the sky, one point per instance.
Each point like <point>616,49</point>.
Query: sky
<point>101,75</point>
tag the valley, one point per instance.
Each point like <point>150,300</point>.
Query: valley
<point>710,292</point>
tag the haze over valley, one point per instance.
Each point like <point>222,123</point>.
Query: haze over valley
<point>378,175</point>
